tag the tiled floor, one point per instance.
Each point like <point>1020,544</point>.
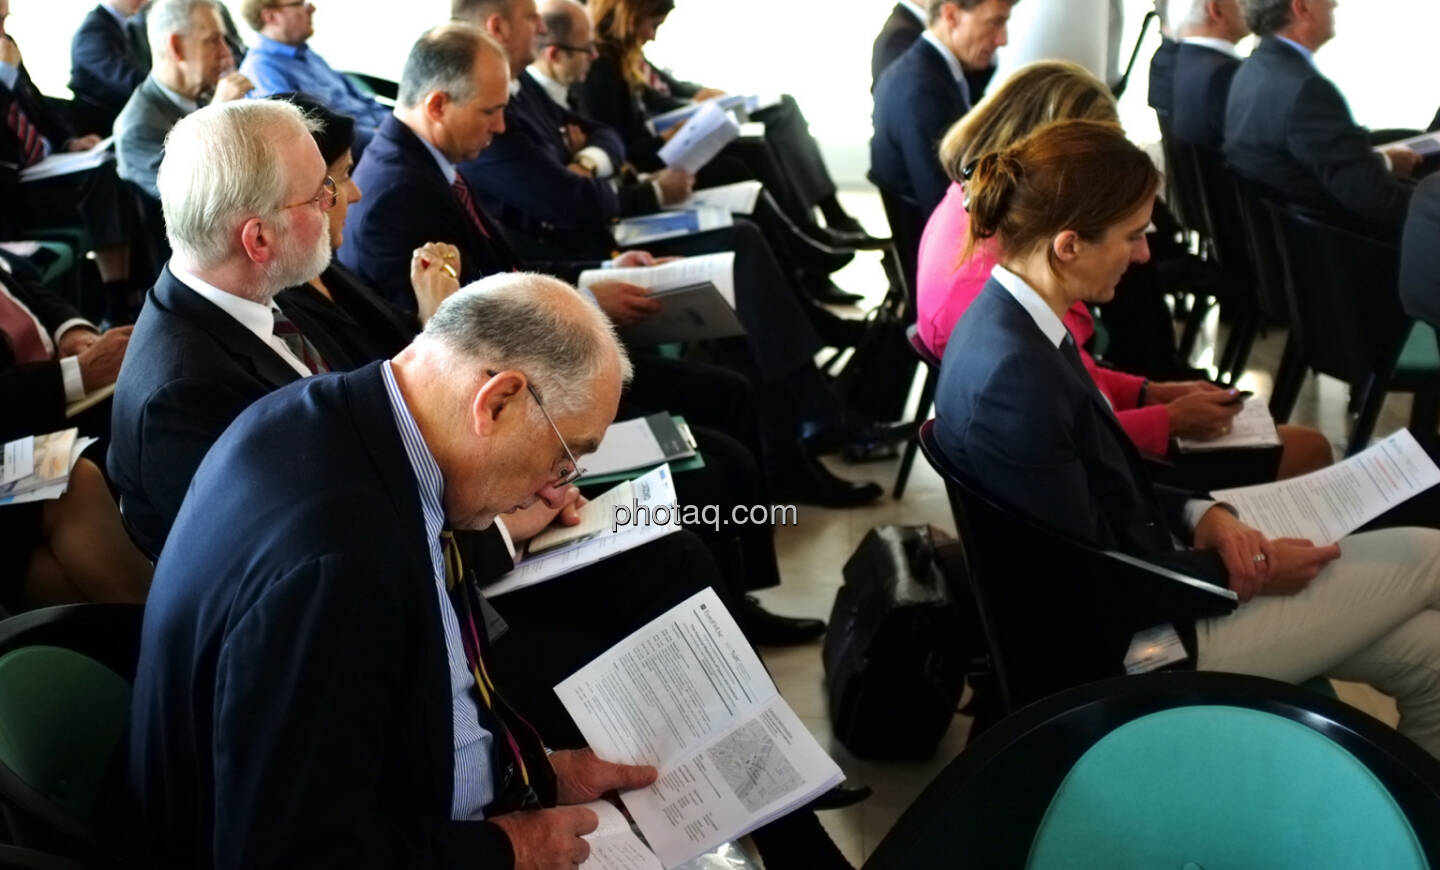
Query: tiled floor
<point>813,551</point>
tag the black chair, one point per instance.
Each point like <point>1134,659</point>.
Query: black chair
<point>380,88</point>
<point>986,808</point>
<point>1056,612</point>
<point>107,633</point>
<point>1347,320</point>
<point>907,225</point>
<point>922,411</point>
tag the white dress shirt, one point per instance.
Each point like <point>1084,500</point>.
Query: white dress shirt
<point>70,373</point>
<point>1224,46</point>
<point>258,319</point>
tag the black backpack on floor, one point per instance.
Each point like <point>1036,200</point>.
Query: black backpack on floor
<point>897,650</point>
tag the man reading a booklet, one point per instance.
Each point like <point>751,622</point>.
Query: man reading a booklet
<point>321,695</point>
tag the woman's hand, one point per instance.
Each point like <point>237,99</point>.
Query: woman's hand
<point>434,274</point>
<point>1203,414</point>
<point>1165,392</point>
<point>1297,562</point>
<point>1248,555</point>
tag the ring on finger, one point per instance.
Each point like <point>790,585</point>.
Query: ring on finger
<point>450,270</point>
<point>1259,557</point>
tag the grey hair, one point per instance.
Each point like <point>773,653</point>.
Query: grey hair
<point>221,167</point>
<point>443,59</point>
<point>171,16</point>
<point>560,20</point>
<point>933,9</point>
<point>1185,14</point>
<point>517,321</point>
<point>1267,17</point>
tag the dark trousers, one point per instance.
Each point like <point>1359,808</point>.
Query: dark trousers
<point>96,199</point>
<point>798,153</point>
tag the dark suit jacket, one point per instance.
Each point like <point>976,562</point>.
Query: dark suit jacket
<point>292,706</point>
<point>355,327</point>
<point>408,203</point>
<point>32,394</point>
<point>1202,87</point>
<point>916,101</point>
<point>1032,431</point>
<point>1162,77</point>
<point>104,68</point>
<point>51,125</point>
<point>1288,127</point>
<point>523,179</point>
<point>607,98</point>
<point>191,369</point>
<point>900,31</point>
<point>140,132</point>
<point>1420,255</point>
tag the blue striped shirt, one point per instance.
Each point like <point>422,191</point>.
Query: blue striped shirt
<point>474,787</point>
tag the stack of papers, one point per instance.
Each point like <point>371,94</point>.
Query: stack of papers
<point>1252,427</point>
<point>737,198</point>
<point>66,163</point>
<point>688,695</point>
<point>640,443</point>
<point>717,269</point>
<point>664,121</point>
<point>705,135</point>
<point>644,229</point>
<point>37,467</point>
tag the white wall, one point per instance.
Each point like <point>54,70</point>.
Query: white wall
<point>820,52</point>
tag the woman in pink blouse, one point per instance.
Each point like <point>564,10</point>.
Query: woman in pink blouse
<point>1149,412</point>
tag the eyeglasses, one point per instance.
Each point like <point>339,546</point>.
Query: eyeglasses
<point>325,198</point>
<point>575,49</point>
<point>564,476</point>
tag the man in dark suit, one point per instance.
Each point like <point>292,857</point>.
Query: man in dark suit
<point>1205,65</point>
<point>193,67</point>
<point>905,24</point>
<point>1420,255</point>
<point>925,91</point>
<point>1288,127</point>
<point>104,67</point>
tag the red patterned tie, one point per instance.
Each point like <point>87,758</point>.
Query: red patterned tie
<point>32,147</point>
<point>19,330</point>
<point>288,332</point>
<point>462,193</point>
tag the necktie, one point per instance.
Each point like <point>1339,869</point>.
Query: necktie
<point>32,147</point>
<point>467,202</point>
<point>288,332</point>
<point>20,331</point>
<point>524,779</point>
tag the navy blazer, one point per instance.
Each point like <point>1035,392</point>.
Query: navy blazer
<point>899,32</point>
<point>1202,87</point>
<point>1034,432</point>
<point>1420,256</point>
<point>1162,77</point>
<point>916,101</point>
<point>523,179</point>
<point>104,68</point>
<point>1289,127</point>
<point>190,370</point>
<point>607,97</point>
<point>292,706</point>
<point>408,203</point>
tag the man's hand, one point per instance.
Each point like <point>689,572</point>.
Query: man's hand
<point>1203,414</point>
<point>76,340</point>
<point>623,303</point>
<point>708,94</point>
<point>232,87</point>
<point>526,523</point>
<point>1403,161</point>
<point>1297,562</point>
<point>575,137</point>
<point>1238,546</point>
<point>434,275</point>
<point>100,362</point>
<point>82,143</point>
<point>549,839</point>
<point>1165,392</point>
<point>9,51</point>
<point>579,170</point>
<point>582,777</point>
<point>676,185</point>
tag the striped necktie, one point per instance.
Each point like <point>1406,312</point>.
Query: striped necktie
<point>295,340</point>
<point>467,202</point>
<point>32,146</point>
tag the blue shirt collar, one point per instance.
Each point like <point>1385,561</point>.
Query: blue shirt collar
<point>447,168</point>
<point>1304,52</point>
<point>270,46</point>
<point>119,16</point>
<point>428,479</point>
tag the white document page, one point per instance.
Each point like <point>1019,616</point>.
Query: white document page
<point>1426,144</point>
<point>627,445</point>
<point>594,517</point>
<point>657,488</point>
<point>670,224</point>
<point>51,491</point>
<point>18,460</point>
<point>66,163</point>
<point>1326,505</point>
<point>613,845</point>
<point>687,694</point>
<point>1252,427</point>
<point>665,120</point>
<point>737,198</point>
<point>702,137</point>
<point>718,269</point>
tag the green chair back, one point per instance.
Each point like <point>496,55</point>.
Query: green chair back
<point>62,717</point>
<point>1221,788</point>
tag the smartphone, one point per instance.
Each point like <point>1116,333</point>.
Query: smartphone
<point>1240,397</point>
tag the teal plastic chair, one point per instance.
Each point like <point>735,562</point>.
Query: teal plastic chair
<point>1222,788</point>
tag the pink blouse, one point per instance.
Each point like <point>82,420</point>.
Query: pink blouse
<point>947,287</point>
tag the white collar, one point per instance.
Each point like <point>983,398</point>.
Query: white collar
<point>184,103</point>
<point>447,168</point>
<point>1214,44</point>
<point>514,87</point>
<point>951,61</point>
<point>917,10</point>
<point>1038,309</point>
<point>557,92</point>
<point>255,317</point>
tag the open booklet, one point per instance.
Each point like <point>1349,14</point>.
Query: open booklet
<point>664,121</point>
<point>703,136</point>
<point>632,513</point>
<point>641,442</point>
<point>1326,505</point>
<point>1252,427</point>
<point>67,163</point>
<point>671,224</point>
<point>37,467</point>
<point>687,694</point>
<point>694,313</point>
<point>1426,144</point>
<point>717,269</point>
<point>737,198</point>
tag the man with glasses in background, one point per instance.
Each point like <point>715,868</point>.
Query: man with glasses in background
<point>283,62</point>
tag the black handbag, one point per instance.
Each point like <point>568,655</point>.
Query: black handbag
<point>875,382</point>
<point>896,653</point>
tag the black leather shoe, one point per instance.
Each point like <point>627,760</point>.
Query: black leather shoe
<point>834,330</point>
<point>858,437</point>
<point>858,454</point>
<point>856,239</point>
<point>825,291</point>
<point>841,796</point>
<point>764,628</point>
<point>807,481</point>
